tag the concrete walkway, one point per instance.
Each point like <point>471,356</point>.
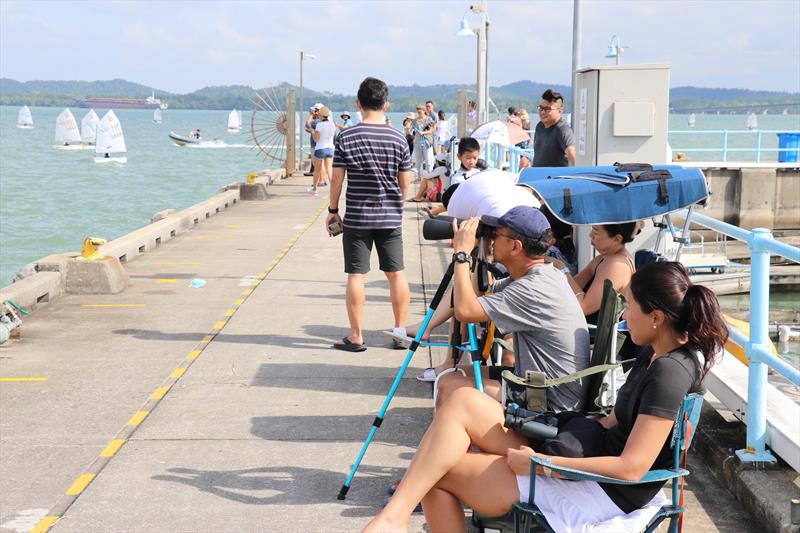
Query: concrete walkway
<point>224,408</point>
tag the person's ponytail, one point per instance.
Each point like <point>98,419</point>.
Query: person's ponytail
<point>705,327</point>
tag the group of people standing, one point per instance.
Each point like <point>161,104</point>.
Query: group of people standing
<point>322,130</point>
<point>677,324</point>
<point>427,133</point>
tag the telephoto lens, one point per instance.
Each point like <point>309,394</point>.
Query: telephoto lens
<point>530,423</point>
<point>438,229</point>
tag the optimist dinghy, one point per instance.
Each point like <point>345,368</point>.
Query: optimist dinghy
<point>235,121</point>
<point>157,116</point>
<point>68,137</point>
<point>89,129</point>
<point>24,119</point>
<point>110,140</point>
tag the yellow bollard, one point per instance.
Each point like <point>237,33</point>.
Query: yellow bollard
<point>89,251</point>
<point>251,178</point>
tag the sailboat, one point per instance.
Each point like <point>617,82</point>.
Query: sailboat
<point>109,140</point>
<point>24,119</point>
<point>67,135</point>
<point>157,115</point>
<point>692,120</point>
<point>234,122</point>
<point>752,121</point>
<point>89,129</point>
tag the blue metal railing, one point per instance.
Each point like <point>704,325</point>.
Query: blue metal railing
<point>726,149</point>
<point>498,156</point>
<point>757,347</point>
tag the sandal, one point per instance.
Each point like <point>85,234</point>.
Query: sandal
<point>428,375</point>
<point>426,212</point>
<point>349,346</point>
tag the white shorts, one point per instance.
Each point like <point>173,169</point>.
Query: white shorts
<point>573,506</point>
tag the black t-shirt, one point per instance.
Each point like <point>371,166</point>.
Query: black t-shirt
<point>550,143</point>
<point>657,390</point>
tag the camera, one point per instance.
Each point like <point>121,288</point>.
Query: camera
<point>335,228</point>
<point>441,228</point>
<point>538,426</point>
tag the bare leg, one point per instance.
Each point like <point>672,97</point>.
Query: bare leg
<point>317,173</point>
<point>400,295</point>
<point>354,297</point>
<point>328,169</point>
<point>468,417</point>
<point>483,481</point>
<point>453,381</point>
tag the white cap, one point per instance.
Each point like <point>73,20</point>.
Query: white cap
<point>318,106</point>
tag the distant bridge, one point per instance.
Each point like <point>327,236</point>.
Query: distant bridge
<point>783,105</point>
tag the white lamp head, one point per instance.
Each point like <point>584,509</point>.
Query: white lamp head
<point>464,29</point>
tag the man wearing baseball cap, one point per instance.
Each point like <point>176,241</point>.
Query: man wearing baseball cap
<point>535,304</point>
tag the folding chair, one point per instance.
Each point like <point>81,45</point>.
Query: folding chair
<point>603,358</point>
<point>685,424</point>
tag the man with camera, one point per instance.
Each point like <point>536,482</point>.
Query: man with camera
<point>535,304</point>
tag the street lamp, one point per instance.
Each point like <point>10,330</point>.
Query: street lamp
<point>615,49</point>
<point>482,81</point>
<point>303,56</point>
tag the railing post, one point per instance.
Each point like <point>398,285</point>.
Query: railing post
<point>758,146</point>
<point>757,370</point>
<point>724,145</point>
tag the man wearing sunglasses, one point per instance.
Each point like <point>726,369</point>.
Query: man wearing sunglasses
<point>553,142</point>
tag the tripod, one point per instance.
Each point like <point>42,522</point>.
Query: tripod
<point>476,361</point>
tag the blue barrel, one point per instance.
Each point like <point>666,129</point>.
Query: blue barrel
<point>791,141</point>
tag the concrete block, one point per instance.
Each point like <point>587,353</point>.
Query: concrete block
<point>256,191</point>
<point>56,263</point>
<point>787,208</point>
<point>101,276</point>
<point>34,290</point>
<point>757,206</point>
<point>161,215</point>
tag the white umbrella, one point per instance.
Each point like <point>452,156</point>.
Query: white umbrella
<point>499,132</point>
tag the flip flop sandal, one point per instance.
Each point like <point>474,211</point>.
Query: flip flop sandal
<point>426,211</point>
<point>428,376</point>
<point>349,346</point>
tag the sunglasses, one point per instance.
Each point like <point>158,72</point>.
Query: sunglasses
<point>548,108</point>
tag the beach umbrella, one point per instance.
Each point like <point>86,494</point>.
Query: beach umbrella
<point>500,132</point>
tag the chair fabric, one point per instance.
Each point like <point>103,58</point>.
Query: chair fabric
<point>683,432</point>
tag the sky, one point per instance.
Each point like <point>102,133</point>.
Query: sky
<point>186,45</point>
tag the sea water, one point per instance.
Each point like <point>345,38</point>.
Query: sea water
<point>51,199</point>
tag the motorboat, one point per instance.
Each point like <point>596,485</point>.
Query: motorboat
<point>182,140</point>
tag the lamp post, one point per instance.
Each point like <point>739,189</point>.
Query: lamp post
<point>577,23</point>
<point>482,77</point>
<point>615,49</point>
<point>303,56</point>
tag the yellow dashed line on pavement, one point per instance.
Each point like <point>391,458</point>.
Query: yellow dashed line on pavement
<point>80,484</point>
<point>193,355</point>
<point>138,418</point>
<point>232,226</point>
<point>178,372</point>
<point>24,379</point>
<point>207,339</point>
<point>113,305</point>
<point>166,280</point>
<point>159,393</point>
<point>219,325</point>
<point>112,448</point>
<point>230,312</point>
<point>44,524</point>
<point>239,301</point>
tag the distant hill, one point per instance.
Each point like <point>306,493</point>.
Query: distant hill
<point>523,93</point>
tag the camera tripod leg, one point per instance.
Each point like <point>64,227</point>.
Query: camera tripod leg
<point>411,349</point>
<point>473,353</point>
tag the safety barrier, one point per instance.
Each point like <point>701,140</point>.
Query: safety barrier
<point>505,157</point>
<point>726,149</point>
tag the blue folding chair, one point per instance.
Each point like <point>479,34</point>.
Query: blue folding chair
<point>685,424</point>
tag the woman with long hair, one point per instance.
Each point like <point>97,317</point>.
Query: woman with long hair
<point>680,322</point>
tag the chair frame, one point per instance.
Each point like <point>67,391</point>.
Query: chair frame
<point>682,433</point>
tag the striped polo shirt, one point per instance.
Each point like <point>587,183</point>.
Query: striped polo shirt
<point>373,155</point>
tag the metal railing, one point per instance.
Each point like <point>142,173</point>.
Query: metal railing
<point>757,347</point>
<point>505,157</point>
<point>726,149</point>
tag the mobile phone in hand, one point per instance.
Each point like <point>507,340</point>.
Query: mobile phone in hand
<point>335,228</point>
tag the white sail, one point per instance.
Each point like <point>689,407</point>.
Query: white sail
<point>241,122</point>
<point>752,121</point>
<point>157,115</point>
<point>89,127</point>
<point>109,135</point>
<point>692,120</point>
<point>234,122</point>
<point>24,119</point>
<point>67,129</point>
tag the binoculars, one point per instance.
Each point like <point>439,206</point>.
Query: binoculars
<point>537,426</point>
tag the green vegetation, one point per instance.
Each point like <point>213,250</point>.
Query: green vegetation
<point>404,98</point>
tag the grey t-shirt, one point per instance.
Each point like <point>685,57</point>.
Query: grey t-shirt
<point>549,329</point>
<point>550,143</point>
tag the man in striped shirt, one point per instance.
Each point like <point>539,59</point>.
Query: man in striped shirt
<point>377,161</point>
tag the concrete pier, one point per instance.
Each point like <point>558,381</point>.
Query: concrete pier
<point>224,408</point>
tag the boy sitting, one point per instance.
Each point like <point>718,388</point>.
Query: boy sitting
<point>468,154</point>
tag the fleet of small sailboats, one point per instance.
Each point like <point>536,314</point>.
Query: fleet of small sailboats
<point>234,121</point>
<point>89,128</point>
<point>67,137</point>
<point>24,119</point>
<point>110,140</point>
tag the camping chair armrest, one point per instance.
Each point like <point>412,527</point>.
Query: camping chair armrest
<point>507,375</point>
<point>572,473</point>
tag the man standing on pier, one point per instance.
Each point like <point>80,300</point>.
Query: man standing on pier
<point>553,142</point>
<point>377,161</point>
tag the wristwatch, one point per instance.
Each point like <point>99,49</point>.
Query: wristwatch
<point>462,257</point>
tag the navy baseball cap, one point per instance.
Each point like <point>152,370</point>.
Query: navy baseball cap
<point>527,221</point>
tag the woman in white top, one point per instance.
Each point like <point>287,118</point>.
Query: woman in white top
<point>323,149</point>
<point>442,133</point>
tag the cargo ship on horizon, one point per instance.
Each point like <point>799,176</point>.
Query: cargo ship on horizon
<point>151,102</point>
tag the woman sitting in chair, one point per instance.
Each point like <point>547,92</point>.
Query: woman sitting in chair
<point>682,324</point>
